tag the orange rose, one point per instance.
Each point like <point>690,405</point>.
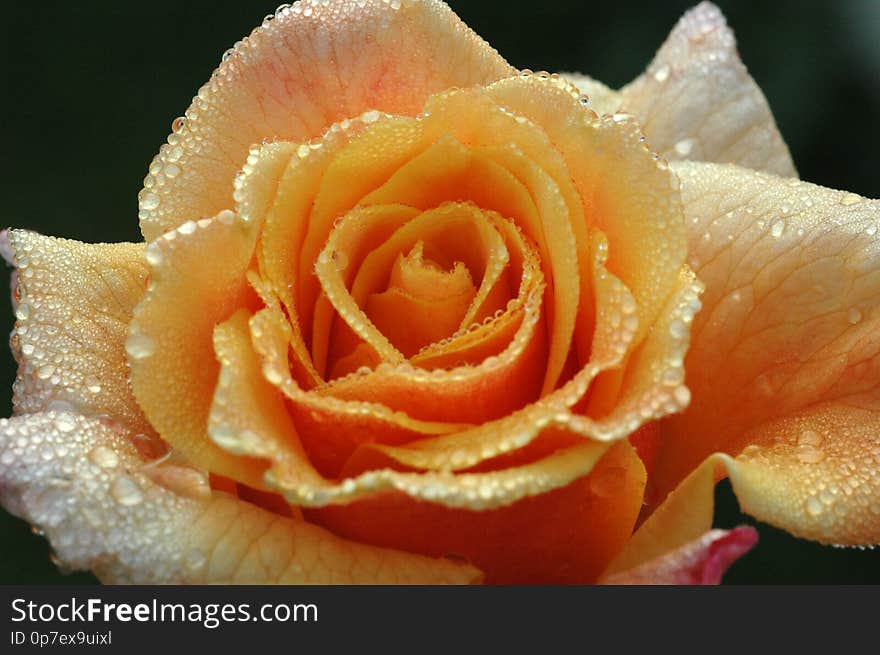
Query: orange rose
<point>404,314</point>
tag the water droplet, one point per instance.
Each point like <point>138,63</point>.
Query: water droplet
<point>814,507</point>
<point>850,199</point>
<point>662,74</point>
<point>340,259</point>
<point>370,116</point>
<point>685,147</point>
<point>189,227</point>
<point>103,457</point>
<point>777,228</point>
<point>45,371</point>
<point>140,346</point>
<point>65,422</point>
<point>808,454</point>
<point>854,315</point>
<point>125,491</point>
<point>810,438</point>
<point>153,254</point>
<point>149,201</point>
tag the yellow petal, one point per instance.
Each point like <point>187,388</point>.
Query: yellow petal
<point>697,101</point>
<point>790,324</point>
<point>75,301</point>
<point>81,481</point>
<point>314,64</point>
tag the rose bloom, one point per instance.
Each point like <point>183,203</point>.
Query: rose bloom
<point>404,314</point>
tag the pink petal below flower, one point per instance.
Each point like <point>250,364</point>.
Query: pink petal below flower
<point>700,562</point>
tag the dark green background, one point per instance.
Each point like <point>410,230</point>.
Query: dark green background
<point>90,89</point>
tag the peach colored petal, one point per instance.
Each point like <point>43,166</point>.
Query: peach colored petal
<point>173,366</point>
<point>813,474</point>
<point>626,193</point>
<point>697,101</point>
<point>563,536</point>
<point>73,305</point>
<point>248,419</point>
<point>350,423</point>
<point>313,64</point>
<point>790,313</point>
<point>700,562</point>
<point>81,481</point>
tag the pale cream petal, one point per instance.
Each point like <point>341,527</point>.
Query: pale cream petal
<point>697,101</point>
<point>74,302</point>
<point>315,63</point>
<point>81,481</point>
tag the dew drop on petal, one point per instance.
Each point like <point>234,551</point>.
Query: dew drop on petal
<point>139,346</point>
<point>125,491</point>
<point>103,457</point>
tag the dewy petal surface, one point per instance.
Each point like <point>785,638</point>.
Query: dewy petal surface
<point>792,310</point>
<point>173,366</point>
<point>697,101</point>
<point>314,64</point>
<point>74,303</point>
<point>81,481</point>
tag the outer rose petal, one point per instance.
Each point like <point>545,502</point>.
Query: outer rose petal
<point>564,536</point>
<point>702,561</point>
<point>791,321</point>
<point>75,301</point>
<point>81,481</point>
<point>697,101</point>
<point>314,64</point>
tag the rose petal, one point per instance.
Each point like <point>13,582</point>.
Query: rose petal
<point>248,418</point>
<point>563,536</point>
<point>75,301</point>
<point>790,310</point>
<point>625,192</point>
<point>702,561</point>
<point>697,101</point>
<point>173,366</point>
<point>81,481</point>
<point>791,321</point>
<point>314,64</point>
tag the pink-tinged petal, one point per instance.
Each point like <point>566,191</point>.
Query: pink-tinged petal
<point>103,508</point>
<point>73,302</point>
<point>697,101</point>
<point>312,65</point>
<point>700,562</point>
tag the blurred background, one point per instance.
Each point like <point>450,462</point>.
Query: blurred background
<point>90,89</point>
